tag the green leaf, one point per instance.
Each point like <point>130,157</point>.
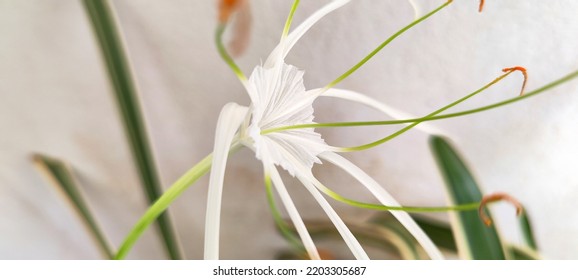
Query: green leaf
<point>61,177</point>
<point>104,26</point>
<point>521,253</point>
<point>440,233</point>
<point>474,239</point>
<point>526,228</point>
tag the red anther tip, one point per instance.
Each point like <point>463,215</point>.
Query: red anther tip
<point>515,68</point>
<point>524,72</point>
<point>481,6</point>
<point>226,8</point>
<point>497,197</point>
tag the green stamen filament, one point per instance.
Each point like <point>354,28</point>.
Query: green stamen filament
<point>281,224</point>
<point>290,19</point>
<point>224,54</point>
<point>385,43</point>
<point>381,207</point>
<point>543,89</point>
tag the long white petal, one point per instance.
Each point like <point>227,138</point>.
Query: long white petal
<point>380,106</point>
<point>231,117</point>
<point>348,237</point>
<point>292,211</point>
<point>281,51</point>
<point>384,197</point>
<point>306,177</point>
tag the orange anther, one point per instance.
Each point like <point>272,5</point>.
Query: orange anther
<point>524,72</point>
<point>226,8</point>
<point>497,197</point>
<point>481,6</point>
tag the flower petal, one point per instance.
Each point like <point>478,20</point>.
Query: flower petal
<point>382,107</point>
<point>384,197</point>
<point>348,237</point>
<point>231,117</point>
<point>280,99</point>
<point>280,52</point>
<point>291,210</point>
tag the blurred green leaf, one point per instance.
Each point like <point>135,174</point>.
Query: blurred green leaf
<point>526,228</point>
<point>440,233</point>
<point>61,177</point>
<point>521,253</point>
<point>474,239</point>
<point>110,42</point>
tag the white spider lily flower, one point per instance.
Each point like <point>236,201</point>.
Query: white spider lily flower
<point>278,99</point>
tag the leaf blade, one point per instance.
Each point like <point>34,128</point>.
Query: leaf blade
<point>62,178</point>
<point>475,240</point>
<point>125,92</point>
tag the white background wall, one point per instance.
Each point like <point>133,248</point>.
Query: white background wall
<point>55,98</point>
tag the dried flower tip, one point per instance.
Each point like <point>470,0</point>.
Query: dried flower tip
<point>524,72</point>
<point>494,198</point>
<point>226,8</point>
<point>481,6</point>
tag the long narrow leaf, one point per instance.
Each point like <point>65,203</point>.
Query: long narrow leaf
<point>526,228</point>
<point>522,253</point>
<point>61,177</point>
<point>475,240</point>
<point>125,92</point>
<point>441,234</point>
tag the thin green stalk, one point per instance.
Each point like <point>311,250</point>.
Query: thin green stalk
<point>403,130</point>
<point>543,89</point>
<point>125,92</point>
<point>224,54</point>
<point>290,18</point>
<point>385,43</point>
<point>281,224</point>
<point>172,193</point>
<point>62,178</point>
<point>417,209</point>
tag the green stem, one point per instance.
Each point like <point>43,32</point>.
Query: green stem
<point>125,91</point>
<point>290,18</point>
<point>381,207</point>
<point>405,129</point>
<point>172,193</point>
<point>281,224</point>
<point>543,89</point>
<point>385,43</point>
<point>224,54</point>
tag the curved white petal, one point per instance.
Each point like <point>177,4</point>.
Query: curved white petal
<point>292,210</point>
<point>231,117</point>
<point>348,237</point>
<point>281,51</point>
<point>380,106</point>
<point>384,197</point>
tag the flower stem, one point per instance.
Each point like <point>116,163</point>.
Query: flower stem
<point>385,43</point>
<point>196,172</point>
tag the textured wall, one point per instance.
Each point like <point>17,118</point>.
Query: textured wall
<point>55,99</point>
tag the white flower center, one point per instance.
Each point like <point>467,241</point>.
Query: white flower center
<point>279,99</point>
